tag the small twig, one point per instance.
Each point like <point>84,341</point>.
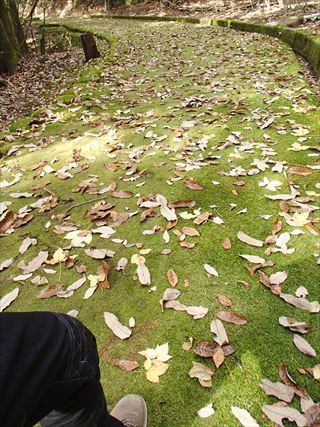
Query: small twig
<point>231,374</point>
<point>82,203</point>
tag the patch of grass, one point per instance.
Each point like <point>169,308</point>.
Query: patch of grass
<point>225,86</point>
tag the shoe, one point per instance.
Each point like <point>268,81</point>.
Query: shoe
<point>131,410</point>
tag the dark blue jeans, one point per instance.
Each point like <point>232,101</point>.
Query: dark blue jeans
<point>49,372</point>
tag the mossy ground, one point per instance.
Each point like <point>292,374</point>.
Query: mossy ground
<point>239,81</point>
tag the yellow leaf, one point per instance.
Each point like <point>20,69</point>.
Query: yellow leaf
<point>145,251</point>
<point>300,219</point>
<point>147,364</point>
<point>137,259</point>
<point>154,372</point>
<point>59,255</point>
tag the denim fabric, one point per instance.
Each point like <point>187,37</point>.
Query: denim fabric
<point>49,371</point>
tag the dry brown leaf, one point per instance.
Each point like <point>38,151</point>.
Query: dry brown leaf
<point>6,263</point>
<point>126,365</point>
<point>102,273</point>
<point>244,417</point>
<point>313,415</point>
<point>99,253</point>
<point>278,278</point>
<point>187,245</point>
<point>143,275</point>
<point>7,299</point>
<point>190,231</point>
<point>224,300</point>
<point>218,357</point>
<point>279,390</point>
<point>300,170</point>
<point>7,221</point>
<point>285,377</point>
<point>232,317</point>
<point>276,226</point>
<point>243,237</point>
<point>276,414</point>
<point>312,307</point>
<point>50,291</point>
<point>226,243</point>
<point>294,325</point>
<point>192,185</point>
<point>121,194</point>
<point>303,345</point>
<point>187,345</point>
<point>36,262</point>
<point>205,349</point>
<point>116,327</point>
<point>172,278</point>
<point>202,218</point>
<point>202,373</point>
<point>218,329</point>
<point>254,259</point>
<point>183,204</point>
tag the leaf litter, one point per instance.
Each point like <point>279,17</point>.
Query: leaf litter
<point>294,211</point>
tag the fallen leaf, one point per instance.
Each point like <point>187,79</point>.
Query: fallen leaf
<point>224,300</point>
<point>126,365</point>
<point>218,329</point>
<point>36,262</point>
<point>306,403</point>
<point>187,345</point>
<point>200,371</point>
<point>116,327</point>
<point>244,417</point>
<point>313,416</point>
<point>121,194</point>
<point>143,275</point>
<point>167,213</point>
<point>211,270</point>
<point>294,325</point>
<point>303,345</point>
<point>26,243</point>
<point>122,263</point>
<point>312,307</point>
<point>172,277</point>
<point>218,357</point>
<point>249,240</point>
<point>279,390</point>
<point>206,411</point>
<point>99,253</point>
<point>277,413</point>
<point>232,317</point>
<point>205,349</point>
<point>285,377</point>
<point>90,291</point>
<point>77,284</point>
<point>154,372</point>
<point>301,292</point>
<point>278,278</point>
<point>6,263</point>
<point>50,291</point>
<point>7,221</point>
<point>190,231</point>
<point>253,259</point>
<point>39,280</point>
<point>197,312</point>
<point>7,299</point>
<point>226,243</point>
<point>300,170</point>
<point>192,185</point>
<point>79,238</point>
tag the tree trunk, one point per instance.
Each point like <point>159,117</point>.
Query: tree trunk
<point>23,48</point>
<point>12,42</point>
<point>8,55</point>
